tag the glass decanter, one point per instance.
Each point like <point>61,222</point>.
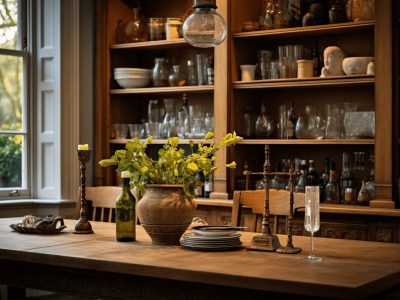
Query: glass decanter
<point>160,72</point>
<point>264,126</point>
<point>169,123</point>
<point>132,30</point>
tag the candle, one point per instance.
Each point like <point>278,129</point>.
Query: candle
<point>83,147</point>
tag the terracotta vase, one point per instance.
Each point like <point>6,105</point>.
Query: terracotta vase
<point>165,213</point>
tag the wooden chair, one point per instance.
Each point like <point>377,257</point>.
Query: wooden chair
<point>103,202</point>
<point>255,200</point>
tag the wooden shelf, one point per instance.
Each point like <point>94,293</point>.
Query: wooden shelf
<point>164,141</point>
<point>307,142</point>
<point>162,44</point>
<point>294,32</point>
<point>334,81</point>
<point>165,90</point>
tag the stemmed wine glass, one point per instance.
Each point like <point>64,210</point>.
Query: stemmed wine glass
<point>311,217</point>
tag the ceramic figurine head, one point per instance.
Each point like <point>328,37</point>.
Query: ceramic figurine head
<point>333,57</point>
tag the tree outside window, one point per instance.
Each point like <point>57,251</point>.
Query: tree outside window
<point>12,131</point>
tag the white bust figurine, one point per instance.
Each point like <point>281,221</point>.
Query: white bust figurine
<point>333,57</point>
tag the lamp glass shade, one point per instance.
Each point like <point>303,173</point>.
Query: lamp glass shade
<point>204,28</point>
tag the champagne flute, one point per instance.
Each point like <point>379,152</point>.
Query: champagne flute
<point>311,217</point>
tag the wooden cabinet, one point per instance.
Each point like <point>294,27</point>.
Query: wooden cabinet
<point>229,96</point>
<point>372,93</point>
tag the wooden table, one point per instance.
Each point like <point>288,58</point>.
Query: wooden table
<point>96,264</point>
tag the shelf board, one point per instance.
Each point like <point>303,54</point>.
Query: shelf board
<point>292,32</point>
<point>163,141</point>
<point>165,90</point>
<point>307,142</point>
<point>161,44</point>
<point>336,81</point>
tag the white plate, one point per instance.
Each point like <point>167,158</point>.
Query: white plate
<point>215,230</point>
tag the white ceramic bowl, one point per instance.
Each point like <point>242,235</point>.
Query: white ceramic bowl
<point>128,82</point>
<point>132,71</point>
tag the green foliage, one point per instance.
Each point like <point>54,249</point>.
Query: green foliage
<point>172,165</point>
<point>10,161</point>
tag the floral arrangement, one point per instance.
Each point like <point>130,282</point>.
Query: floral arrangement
<point>172,165</point>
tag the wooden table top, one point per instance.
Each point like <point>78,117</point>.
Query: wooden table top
<point>348,270</point>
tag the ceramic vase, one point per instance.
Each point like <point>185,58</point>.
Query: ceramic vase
<point>165,212</point>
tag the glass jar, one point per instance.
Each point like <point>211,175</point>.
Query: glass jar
<point>160,72</point>
<point>133,30</point>
<point>175,78</point>
<point>173,28</point>
<point>156,29</point>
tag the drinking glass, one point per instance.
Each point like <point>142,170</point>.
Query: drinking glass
<point>311,217</point>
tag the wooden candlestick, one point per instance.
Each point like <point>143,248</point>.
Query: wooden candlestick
<point>83,226</point>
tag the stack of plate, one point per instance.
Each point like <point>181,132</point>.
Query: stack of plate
<point>132,77</point>
<point>212,238</point>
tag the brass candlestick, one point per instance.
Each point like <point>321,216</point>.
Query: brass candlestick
<point>83,226</point>
<point>289,248</point>
<point>266,241</point>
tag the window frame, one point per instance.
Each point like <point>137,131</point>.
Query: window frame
<point>24,24</point>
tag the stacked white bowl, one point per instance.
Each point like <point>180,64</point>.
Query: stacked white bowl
<point>132,77</point>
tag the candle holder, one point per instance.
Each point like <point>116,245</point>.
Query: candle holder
<point>289,248</point>
<point>83,226</point>
<point>268,241</point>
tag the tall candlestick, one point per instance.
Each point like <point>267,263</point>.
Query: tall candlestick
<point>83,225</point>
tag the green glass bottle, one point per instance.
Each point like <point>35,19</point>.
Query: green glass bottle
<point>125,212</point>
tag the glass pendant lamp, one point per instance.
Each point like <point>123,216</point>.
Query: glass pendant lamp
<point>204,28</point>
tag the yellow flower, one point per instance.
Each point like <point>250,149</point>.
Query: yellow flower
<point>209,135</point>
<point>149,140</point>
<point>144,169</point>
<point>232,165</point>
<point>192,167</point>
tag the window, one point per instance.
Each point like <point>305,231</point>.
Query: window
<point>14,133</point>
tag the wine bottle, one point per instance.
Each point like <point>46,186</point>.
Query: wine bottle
<point>347,186</point>
<point>125,212</point>
<point>324,179</point>
<point>331,188</point>
<point>208,185</point>
<point>312,177</point>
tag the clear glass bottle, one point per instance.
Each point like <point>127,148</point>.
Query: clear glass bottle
<point>191,73</point>
<point>125,212</point>
<point>347,181</point>
<point>264,125</point>
<point>324,179</point>
<point>183,118</point>
<point>160,72</point>
<point>291,122</point>
<point>331,188</point>
<point>169,122</point>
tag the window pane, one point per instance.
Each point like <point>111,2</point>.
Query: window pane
<point>10,92</point>
<point>11,160</point>
<point>8,21</point>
